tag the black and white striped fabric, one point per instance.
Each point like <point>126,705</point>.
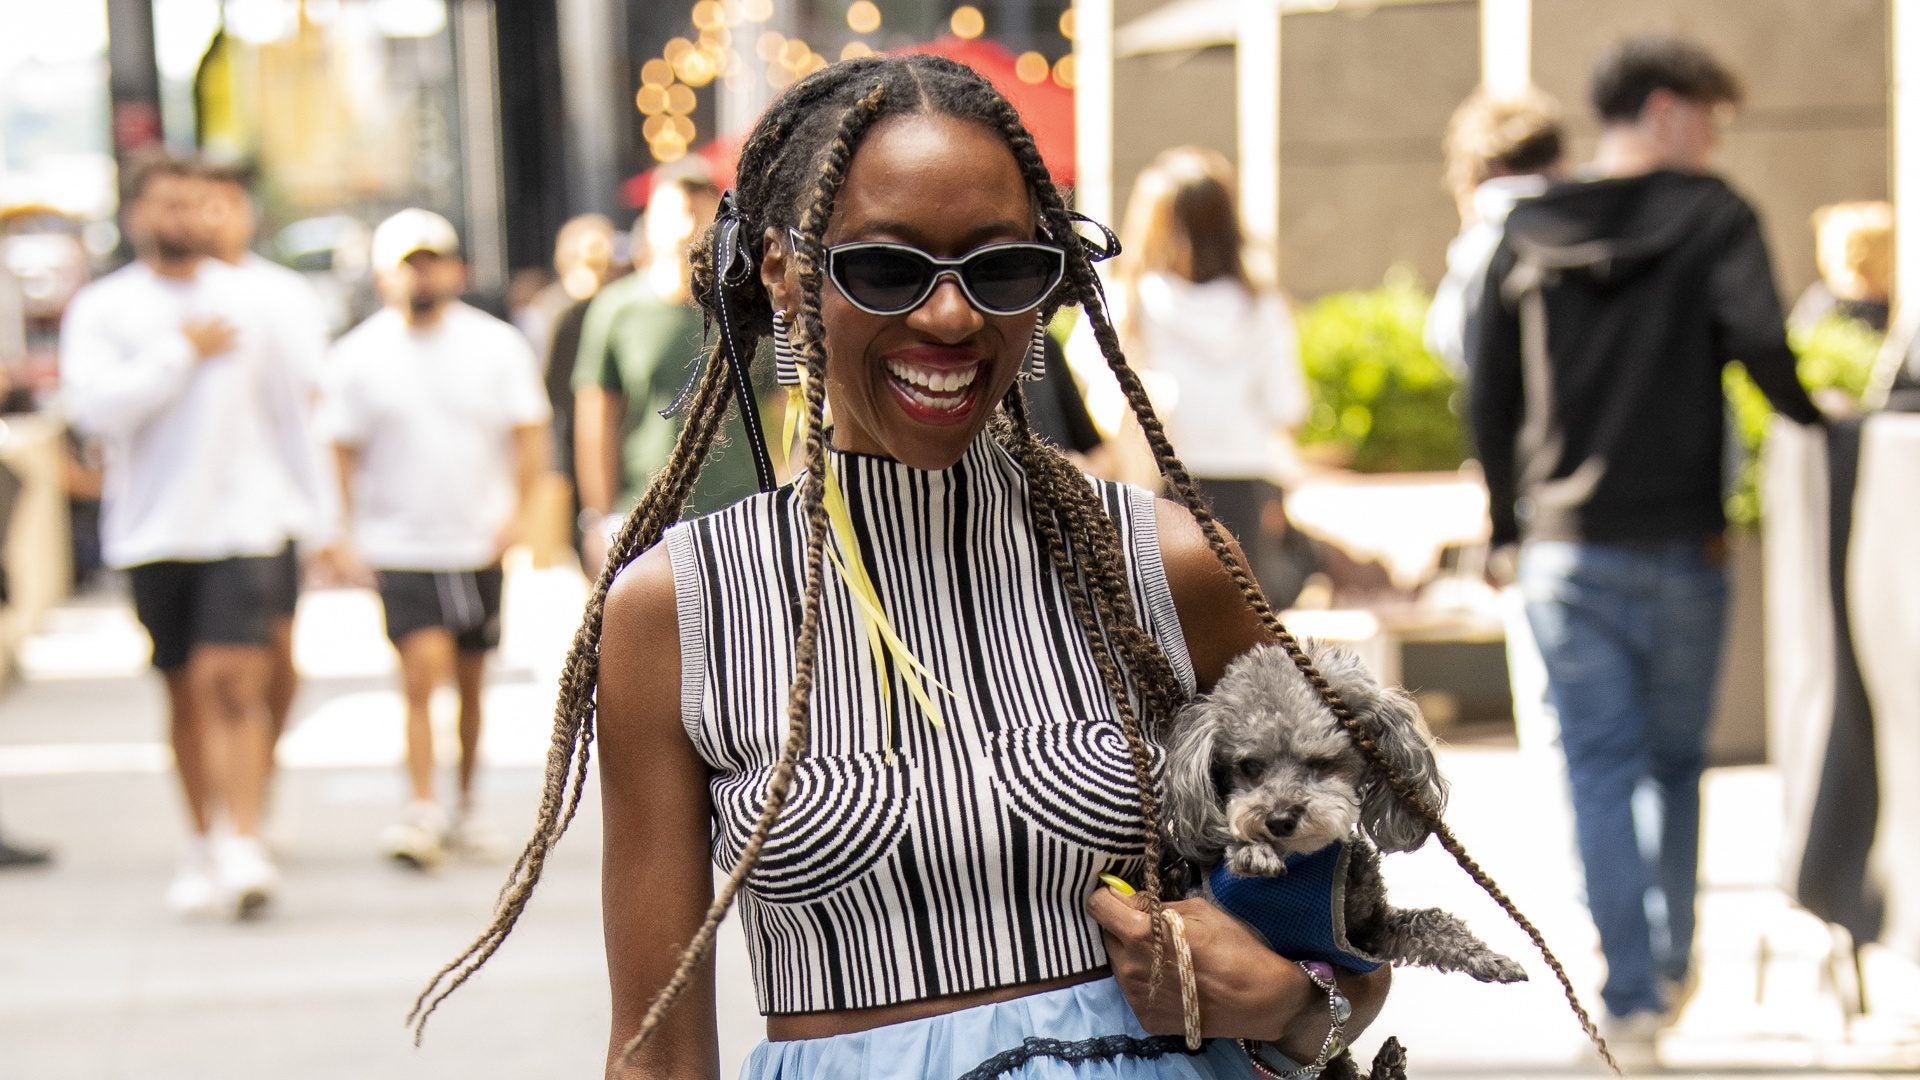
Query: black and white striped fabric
<point>913,862</point>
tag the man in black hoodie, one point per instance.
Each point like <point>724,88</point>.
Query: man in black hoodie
<point>1610,308</point>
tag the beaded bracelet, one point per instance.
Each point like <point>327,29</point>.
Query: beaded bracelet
<point>1339,1010</point>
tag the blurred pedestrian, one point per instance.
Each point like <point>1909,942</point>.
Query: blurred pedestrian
<point>582,264</point>
<point>1217,347</point>
<point>1058,412</point>
<point>1499,150</point>
<point>174,365</point>
<point>637,350</point>
<point>1611,306</point>
<point>439,424</point>
<point>1853,247</point>
<point>285,299</point>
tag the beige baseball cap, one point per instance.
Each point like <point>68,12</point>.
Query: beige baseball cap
<point>409,231</point>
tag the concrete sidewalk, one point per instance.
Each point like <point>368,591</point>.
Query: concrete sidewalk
<point>98,982</point>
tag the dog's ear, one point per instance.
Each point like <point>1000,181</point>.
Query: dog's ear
<point>1393,720</point>
<point>1190,811</point>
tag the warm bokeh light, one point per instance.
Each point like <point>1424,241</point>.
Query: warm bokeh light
<point>718,36</point>
<point>656,126</point>
<point>651,100</point>
<point>1066,24</point>
<point>1031,67</point>
<point>1063,72</point>
<point>676,49</point>
<point>696,68</point>
<point>668,148</point>
<point>656,72</point>
<point>682,127</point>
<point>680,99</point>
<point>967,22</point>
<point>794,53</point>
<point>863,16</point>
<point>709,14</point>
<point>853,50</point>
<point>758,10</point>
<point>768,47</point>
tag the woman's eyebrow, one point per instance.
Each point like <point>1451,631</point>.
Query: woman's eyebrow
<point>913,233</point>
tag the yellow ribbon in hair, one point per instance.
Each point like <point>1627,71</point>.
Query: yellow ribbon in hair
<point>882,640</point>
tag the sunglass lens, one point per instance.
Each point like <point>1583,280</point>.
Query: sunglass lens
<point>881,279</point>
<point>1013,280</point>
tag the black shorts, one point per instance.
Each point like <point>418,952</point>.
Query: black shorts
<point>464,602</point>
<point>217,602</point>
<point>286,593</point>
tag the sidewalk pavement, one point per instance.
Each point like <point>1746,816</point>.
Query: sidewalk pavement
<point>99,982</point>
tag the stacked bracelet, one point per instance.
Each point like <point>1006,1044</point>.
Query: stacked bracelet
<point>1339,1009</point>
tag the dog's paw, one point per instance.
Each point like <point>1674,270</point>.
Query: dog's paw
<point>1495,968</point>
<point>1255,860</point>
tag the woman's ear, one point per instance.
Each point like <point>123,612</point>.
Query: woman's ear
<point>774,268</point>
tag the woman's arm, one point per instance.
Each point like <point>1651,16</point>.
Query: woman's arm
<point>1246,989</point>
<point>655,879</point>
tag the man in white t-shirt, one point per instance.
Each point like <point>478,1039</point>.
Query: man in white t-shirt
<point>439,422</point>
<point>291,305</point>
<point>169,363</point>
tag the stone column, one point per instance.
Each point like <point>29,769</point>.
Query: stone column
<point>1257,82</point>
<point>1903,151</point>
<point>1506,46</point>
<point>1093,109</point>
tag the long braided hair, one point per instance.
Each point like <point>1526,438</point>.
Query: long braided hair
<point>790,172</point>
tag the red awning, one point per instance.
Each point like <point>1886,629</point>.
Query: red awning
<point>1046,108</point>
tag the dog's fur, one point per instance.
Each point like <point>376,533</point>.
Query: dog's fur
<point>1260,769</point>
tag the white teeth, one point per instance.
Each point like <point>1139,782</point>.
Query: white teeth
<point>929,402</point>
<point>940,382</point>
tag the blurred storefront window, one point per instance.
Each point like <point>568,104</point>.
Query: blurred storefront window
<point>54,135</point>
<point>346,109</point>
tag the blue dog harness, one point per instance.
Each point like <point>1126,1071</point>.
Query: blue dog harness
<point>1300,914</point>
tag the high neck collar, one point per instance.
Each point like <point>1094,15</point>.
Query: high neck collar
<point>985,461</point>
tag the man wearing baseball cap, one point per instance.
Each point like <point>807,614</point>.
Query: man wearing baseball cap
<point>439,420</point>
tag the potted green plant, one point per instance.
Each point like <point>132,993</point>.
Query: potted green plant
<point>1381,401</point>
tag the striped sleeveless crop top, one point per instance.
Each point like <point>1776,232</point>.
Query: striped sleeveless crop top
<point>912,862</point>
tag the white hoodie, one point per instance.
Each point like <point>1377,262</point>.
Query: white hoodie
<point>1222,366</point>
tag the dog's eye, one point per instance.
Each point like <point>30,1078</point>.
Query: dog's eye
<point>1249,769</point>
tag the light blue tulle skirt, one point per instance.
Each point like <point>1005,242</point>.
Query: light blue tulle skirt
<point>1086,1032</point>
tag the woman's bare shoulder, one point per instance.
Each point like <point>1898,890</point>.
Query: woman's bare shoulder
<point>640,642</point>
<point>1216,619</point>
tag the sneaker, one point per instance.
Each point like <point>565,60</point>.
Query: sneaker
<point>418,842</point>
<point>1634,1038</point>
<point>246,874</point>
<point>474,837</point>
<point>193,892</point>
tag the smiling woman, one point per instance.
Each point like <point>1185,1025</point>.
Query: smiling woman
<point>911,704</point>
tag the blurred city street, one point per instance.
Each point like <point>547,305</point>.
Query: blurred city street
<point>100,982</point>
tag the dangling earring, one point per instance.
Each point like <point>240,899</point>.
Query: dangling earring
<point>1036,368</point>
<point>785,371</point>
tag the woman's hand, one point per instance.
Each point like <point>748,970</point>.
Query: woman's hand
<point>1247,990</point>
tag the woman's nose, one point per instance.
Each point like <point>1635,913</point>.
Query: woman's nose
<point>947,313</point>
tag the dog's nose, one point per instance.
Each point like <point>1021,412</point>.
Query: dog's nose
<point>1284,822</point>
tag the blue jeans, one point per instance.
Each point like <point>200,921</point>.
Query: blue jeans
<point>1631,635</point>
